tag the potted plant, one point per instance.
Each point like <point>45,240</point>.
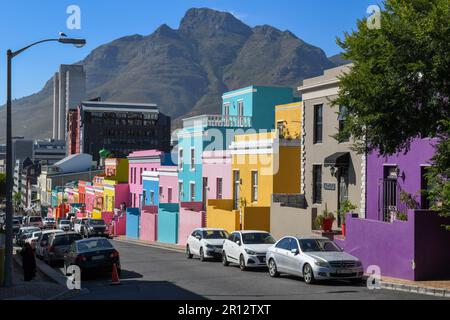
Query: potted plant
<point>346,207</point>
<point>326,220</point>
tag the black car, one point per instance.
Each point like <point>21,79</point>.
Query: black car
<point>94,254</point>
<point>94,228</point>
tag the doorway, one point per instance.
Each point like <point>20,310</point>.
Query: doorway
<point>342,191</point>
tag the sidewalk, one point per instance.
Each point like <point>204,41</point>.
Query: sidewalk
<point>166,246</point>
<point>435,288</point>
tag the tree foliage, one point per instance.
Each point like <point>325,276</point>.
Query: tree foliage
<point>2,185</point>
<point>399,87</point>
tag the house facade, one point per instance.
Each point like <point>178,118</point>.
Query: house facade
<point>333,173</point>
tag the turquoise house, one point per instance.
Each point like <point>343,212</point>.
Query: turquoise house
<point>244,109</point>
<point>133,223</point>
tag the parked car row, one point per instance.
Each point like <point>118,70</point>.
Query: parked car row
<point>312,258</point>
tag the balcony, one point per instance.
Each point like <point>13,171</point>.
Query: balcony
<point>218,121</point>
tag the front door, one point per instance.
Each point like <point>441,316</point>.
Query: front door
<point>343,190</point>
<point>236,184</point>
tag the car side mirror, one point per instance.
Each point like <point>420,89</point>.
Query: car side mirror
<point>198,238</point>
<point>295,252</point>
<point>238,242</point>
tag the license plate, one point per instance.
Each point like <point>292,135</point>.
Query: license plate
<point>95,258</point>
<point>344,271</point>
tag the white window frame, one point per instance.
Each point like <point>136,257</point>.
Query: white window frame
<point>192,159</point>
<point>180,190</point>
<point>192,191</point>
<point>255,182</point>
<point>219,195</point>
<point>180,159</point>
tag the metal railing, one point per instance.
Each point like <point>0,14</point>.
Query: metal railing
<point>389,203</point>
<point>219,121</point>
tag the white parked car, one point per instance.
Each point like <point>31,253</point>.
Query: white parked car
<point>247,248</point>
<point>33,239</point>
<point>42,241</point>
<point>206,243</point>
<point>35,221</point>
<point>64,225</point>
<point>312,258</point>
<point>78,223</point>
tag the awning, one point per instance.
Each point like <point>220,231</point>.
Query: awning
<point>339,159</point>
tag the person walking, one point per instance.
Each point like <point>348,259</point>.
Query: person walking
<point>28,262</point>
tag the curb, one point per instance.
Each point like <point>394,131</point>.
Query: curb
<point>437,292</point>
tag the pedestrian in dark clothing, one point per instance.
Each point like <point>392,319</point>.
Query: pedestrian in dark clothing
<point>28,262</point>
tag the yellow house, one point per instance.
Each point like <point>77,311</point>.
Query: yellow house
<point>109,192</point>
<point>262,164</point>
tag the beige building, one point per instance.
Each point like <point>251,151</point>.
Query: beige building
<point>331,172</point>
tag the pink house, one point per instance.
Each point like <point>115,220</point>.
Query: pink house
<point>168,184</point>
<point>217,174</point>
<point>90,198</point>
<point>138,162</point>
<point>191,217</point>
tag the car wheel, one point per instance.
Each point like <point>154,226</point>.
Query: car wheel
<point>225,260</point>
<point>308,274</point>
<point>242,263</point>
<point>188,252</point>
<point>273,271</point>
<point>202,255</point>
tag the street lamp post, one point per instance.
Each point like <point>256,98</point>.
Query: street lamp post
<point>8,269</point>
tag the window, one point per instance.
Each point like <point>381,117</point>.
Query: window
<point>226,113</point>
<point>240,112</point>
<point>341,119</point>
<point>134,175</point>
<point>192,192</point>
<point>219,186</point>
<point>424,199</point>
<point>169,195</point>
<point>317,184</point>
<point>318,123</point>
<point>160,194</point>
<point>254,186</point>
<point>140,176</point>
<point>294,244</point>
<point>284,244</point>
<point>144,196</point>
<point>180,160</point>
<point>192,159</point>
<point>180,191</point>
<point>152,197</point>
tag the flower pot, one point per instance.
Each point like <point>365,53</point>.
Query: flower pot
<point>327,225</point>
<point>343,229</point>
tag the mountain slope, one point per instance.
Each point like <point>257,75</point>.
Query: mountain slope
<point>185,71</point>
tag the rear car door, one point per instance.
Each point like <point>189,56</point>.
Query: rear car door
<point>281,250</point>
<point>294,260</point>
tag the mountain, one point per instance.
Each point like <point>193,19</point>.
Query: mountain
<point>185,70</point>
<point>338,60</point>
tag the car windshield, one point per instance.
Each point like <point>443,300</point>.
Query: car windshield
<point>35,219</point>
<point>257,238</point>
<point>215,234</point>
<point>318,245</point>
<point>66,239</point>
<point>93,244</point>
<point>64,222</point>
<point>97,222</point>
<point>36,234</point>
<point>16,222</point>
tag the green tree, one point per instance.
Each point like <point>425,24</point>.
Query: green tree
<point>399,86</point>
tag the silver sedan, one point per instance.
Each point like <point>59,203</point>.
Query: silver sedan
<point>312,259</point>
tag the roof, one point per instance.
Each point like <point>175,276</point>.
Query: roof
<point>118,106</point>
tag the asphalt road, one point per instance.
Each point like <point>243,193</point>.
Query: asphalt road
<point>153,273</point>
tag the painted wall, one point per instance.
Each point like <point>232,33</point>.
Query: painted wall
<point>149,223</point>
<point>168,223</point>
<point>422,150</point>
<point>133,223</point>
<point>117,169</point>
<point>90,198</point>
<point>191,217</point>
<point>217,164</point>
<point>290,116</point>
<point>416,249</point>
<point>287,219</point>
<point>220,214</point>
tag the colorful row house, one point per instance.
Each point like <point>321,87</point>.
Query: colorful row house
<point>262,164</point>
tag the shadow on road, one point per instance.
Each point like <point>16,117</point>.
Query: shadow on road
<point>140,290</point>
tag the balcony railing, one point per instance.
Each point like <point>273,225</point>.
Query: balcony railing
<point>219,121</point>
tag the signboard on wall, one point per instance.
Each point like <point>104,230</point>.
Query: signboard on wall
<point>329,186</point>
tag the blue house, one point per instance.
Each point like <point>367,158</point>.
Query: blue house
<point>150,188</point>
<point>244,109</point>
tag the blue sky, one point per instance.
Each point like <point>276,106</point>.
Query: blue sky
<point>22,22</point>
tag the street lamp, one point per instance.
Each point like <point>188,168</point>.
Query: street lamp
<point>8,270</point>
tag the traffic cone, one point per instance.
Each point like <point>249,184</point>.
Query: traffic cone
<point>115,275</point>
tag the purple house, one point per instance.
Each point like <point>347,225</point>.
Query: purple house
<point>404,240</point>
